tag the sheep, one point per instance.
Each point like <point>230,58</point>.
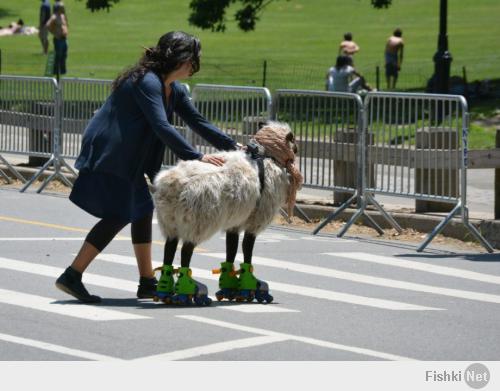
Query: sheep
<point>195,200</point>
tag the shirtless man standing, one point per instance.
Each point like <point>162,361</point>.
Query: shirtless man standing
<point>348,47</point>
<point>393,58</point>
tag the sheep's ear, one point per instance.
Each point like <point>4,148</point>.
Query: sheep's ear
<point>290,137</point>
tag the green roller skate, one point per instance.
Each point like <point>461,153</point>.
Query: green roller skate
<point>165,287</point>
<point>228,282</point>
<point>250,287</point>
<point>189,291</point>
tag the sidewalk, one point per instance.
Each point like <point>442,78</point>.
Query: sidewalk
<point>317,204</point>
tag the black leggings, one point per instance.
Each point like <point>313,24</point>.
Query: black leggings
<point>106,229</point>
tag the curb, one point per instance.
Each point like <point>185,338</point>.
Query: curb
<point>490,229</point>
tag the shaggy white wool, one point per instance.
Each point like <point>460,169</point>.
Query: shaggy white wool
<point>195,200</point>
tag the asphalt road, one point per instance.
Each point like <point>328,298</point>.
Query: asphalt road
<point>334,299</point>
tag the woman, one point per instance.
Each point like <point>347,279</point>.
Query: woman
<point>125,140</point>
<point>340,77</point>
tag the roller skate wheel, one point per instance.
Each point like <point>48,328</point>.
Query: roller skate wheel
<point>260,300</point>
<point>208,301</point>
<point>269,299</point>
<point>219,297</point>
<point>156,298</point>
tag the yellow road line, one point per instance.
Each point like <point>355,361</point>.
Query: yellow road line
<point>42,224</point>
<point>74,229</point>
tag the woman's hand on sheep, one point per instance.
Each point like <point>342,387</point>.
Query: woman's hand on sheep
<point>213,159</point>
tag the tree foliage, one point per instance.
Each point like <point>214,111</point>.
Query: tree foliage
<point>97,5</point>
<point>381,3</point>
<point>211,14</point>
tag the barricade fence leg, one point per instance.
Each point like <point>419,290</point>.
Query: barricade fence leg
<point>475,232</point>
<point>3,174</point>
<point>382,211</point>
<point>373,223</point>
<point>38,174</point>
<point>333,215</point>
<point>439,227</point>
<point>13,170</point>
<point>285,216</point>
<point>303,214</point>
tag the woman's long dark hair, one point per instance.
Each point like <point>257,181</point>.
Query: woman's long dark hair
<point>172,50</point>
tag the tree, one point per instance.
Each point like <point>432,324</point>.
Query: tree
<point>96,5</point>
<point>211,14</point>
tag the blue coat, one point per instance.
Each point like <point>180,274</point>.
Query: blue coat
<point>128,135</point>
<point>126,139</point>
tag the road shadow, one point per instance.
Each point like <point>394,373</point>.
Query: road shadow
<point>495,257</point>
<point>149,304</point>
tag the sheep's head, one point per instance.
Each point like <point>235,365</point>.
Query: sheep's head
<point>279,143</point>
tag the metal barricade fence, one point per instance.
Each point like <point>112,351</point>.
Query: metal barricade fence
<point>81,98</point>
<point>417,147</point>
<point>235,110</point>
<point>29,107</point>
<point>327,131</point>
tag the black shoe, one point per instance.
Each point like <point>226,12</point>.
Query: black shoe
<point>147,288</point>
<point>71,283</point>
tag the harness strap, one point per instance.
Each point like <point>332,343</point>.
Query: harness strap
<point>253,151</point>
<point>260,166</point>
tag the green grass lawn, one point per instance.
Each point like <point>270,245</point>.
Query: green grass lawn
<point>298,39</point>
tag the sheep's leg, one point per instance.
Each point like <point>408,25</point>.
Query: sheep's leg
<point>165,287</point>
<point>251,287</point>
<point>188,290</point>
<point>169,250</point>
<point>228,280</point>
<point>248,243</point>
<point>232,239</point>
<point>187,253</point>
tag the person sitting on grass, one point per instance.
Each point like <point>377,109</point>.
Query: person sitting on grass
<point>341,78</point>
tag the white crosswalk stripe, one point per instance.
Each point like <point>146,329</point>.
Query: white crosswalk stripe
<point>367,279</point>
<point>311,341</point>
<point>56,348</point>
<point>214,348</point>
<point>118,283</point>
<point>421,266</point>
<point>299,290</point>
<point>49,304</point>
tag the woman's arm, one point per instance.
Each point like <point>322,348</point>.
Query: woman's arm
<point>149,97</point>
<point>201,125</point>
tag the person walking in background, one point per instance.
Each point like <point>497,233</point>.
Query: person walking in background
<point>393,58</point>
<point>341,78</point>
<point>124,141</point>
<point>58,26</point>
<point>43,31</point>
<point>348,47</point>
